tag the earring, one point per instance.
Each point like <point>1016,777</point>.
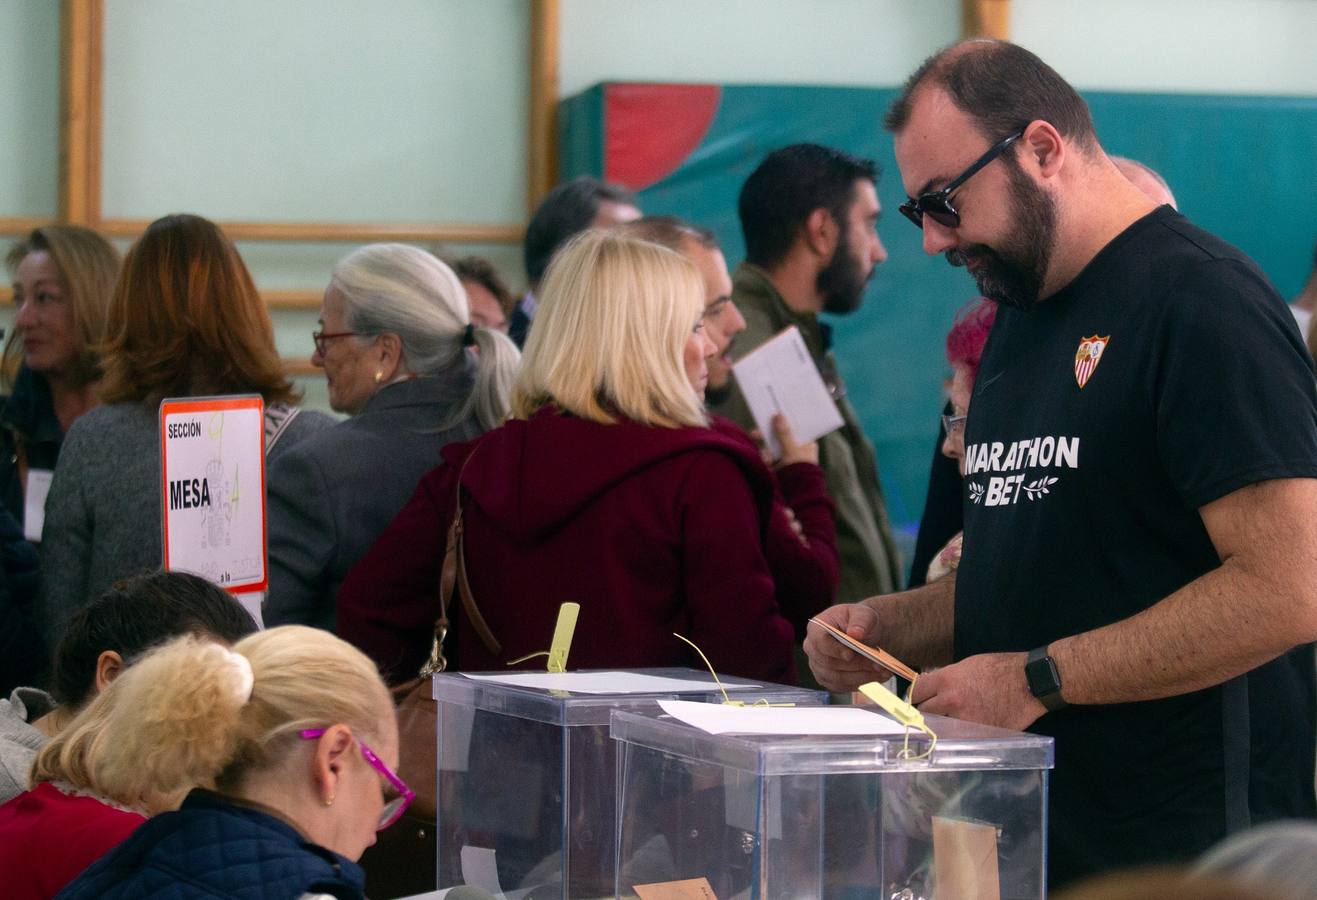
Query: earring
<point>330,801</point>
<point>379,375</point>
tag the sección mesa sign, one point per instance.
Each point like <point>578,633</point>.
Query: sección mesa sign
<point>212,467</point>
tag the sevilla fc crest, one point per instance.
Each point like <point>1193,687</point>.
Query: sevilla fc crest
<point>1088,356</point>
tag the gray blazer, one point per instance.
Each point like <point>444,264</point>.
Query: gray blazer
<point>332,494</point>
<point>103,512</point>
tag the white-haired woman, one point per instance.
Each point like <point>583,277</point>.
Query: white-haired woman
<point>399,354</point>
<point>606,488</point>
<point>281,752</point>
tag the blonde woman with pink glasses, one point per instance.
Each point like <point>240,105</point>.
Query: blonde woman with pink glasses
<point>282,751</point>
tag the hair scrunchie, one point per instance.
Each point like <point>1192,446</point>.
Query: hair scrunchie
<point>469,336</point>
<point>242,667</point>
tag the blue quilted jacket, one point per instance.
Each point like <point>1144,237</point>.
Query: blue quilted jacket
<point>212,847</point>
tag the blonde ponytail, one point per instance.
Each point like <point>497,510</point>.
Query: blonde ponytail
<point>168,724</point>
<point>195,714</point>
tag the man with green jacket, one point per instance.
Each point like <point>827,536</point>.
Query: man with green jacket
<point>809,216</point>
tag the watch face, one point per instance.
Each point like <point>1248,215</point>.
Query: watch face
<point>1042,677</point>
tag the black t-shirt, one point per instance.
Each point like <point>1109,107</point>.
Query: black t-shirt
<point>1168,374</point>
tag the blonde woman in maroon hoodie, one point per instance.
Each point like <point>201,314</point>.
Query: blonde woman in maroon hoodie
<point>606,488</point>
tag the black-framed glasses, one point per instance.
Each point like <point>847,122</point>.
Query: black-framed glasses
<point>320,337</point>
<point>937,204</point>
<point>952,424</point>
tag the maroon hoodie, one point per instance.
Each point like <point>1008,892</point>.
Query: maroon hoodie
<point>652,530</point>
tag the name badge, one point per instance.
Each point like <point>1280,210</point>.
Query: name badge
<point>34,503</point>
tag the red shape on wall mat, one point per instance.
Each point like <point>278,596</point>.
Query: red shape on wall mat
<point>650,129</point>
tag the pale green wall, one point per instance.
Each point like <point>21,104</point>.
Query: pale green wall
<point>1172,46</point>
<point>29,107</point>
<point>1208,46</point>
<point>858,42</point>
<point>334,109</point>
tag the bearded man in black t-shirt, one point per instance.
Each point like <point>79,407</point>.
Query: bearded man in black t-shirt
<point>1139,577</point>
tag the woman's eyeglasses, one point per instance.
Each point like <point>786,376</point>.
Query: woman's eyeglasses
<point>393,809</point>
<point>320,337</point>
<point>937,204</point>
<point>952,424</point>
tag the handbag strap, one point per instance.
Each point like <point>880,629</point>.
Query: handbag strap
<point>453,575</point>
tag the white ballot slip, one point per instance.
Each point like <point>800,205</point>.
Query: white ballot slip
<point>608,682</point>
<point>34,503</point>
<point>716,718</point>
<point>780,376</point>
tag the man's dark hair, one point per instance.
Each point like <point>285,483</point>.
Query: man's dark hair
<point>1002,87</point>
<point>482,272</point>
<point>671,232</point>
<point>787,186</point>
<point>133,616</point>
<point>565,211</point>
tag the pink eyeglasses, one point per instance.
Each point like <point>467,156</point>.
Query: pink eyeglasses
<point>393,809</point>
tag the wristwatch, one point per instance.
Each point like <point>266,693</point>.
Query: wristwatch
<point>1044,680</point>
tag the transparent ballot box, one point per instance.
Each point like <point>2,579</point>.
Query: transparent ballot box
<point>832,816</point>
<point>527,772</point>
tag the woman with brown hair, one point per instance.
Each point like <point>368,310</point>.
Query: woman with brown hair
<point>185,321</point>
<point>62,278</point>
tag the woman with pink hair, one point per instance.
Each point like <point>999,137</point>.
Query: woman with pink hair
<point>965,343</point>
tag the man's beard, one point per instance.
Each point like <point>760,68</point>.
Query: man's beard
<point>713,396</point>
<point>1014,275</point>
<point>843,280</point>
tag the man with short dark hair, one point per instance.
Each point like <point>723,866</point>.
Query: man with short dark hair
<point>1141,471</point>
<point>567,210</point>
<point>489,300</point>
<point>809,216</point>
<point>722,320</point>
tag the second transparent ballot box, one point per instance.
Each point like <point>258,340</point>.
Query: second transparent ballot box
<point>527,771</point>
<point>832,816</point>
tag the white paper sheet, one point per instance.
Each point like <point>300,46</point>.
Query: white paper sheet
<point>480,869</point>
<point>34,503</point>
<point>254,603</point>
<point>716,718</point>
<point>609,682</point>
<point>780,376</point>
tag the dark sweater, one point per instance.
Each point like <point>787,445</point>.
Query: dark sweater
<point>215,847</point>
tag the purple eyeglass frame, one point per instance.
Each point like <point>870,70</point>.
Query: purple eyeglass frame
<point>392,810</point>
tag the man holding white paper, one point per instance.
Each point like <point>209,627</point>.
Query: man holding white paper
<point>808,214</point>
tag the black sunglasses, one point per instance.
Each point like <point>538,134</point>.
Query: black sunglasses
<point>938,203</point>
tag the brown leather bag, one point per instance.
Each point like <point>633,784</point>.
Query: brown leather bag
<point>403,860</point>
